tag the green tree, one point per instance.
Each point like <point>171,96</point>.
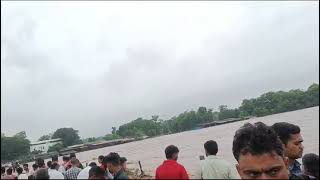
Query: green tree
<point>14,147</point>
<point>69,136</point>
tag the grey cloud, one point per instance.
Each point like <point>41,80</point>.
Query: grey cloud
<point>56,75</point>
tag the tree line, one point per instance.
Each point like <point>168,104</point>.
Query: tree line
<point>18,146</point>
<point>266,104</point>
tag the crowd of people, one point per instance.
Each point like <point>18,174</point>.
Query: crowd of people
<point>111,166</point>
<point>261,152</point>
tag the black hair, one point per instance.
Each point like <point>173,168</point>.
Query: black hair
<point>19,170</point>
<point>112,158</point>
<point>65,158</point>
<point>211,147</point>
<point>72,155</point>
<point>9,171</point>
<point>96,171</point>
<point>101,157</point>
<point>54,165</point>
<point>284,130</point>
<point>49,163</point>
<point>35,166</point>
<point>54,158</point>
<point>24,165</point>
<point>123,160</point>
<point>170,150</point>
<point>311,164</point>
<point>42,174</point>
<point>256,139</point>
<point>40,162</point>
<point>92,164</point>
<point>3,169</point>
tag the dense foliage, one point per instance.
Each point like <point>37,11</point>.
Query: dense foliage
<point>69,136</point>
<point>266,104</point>
<point>14,147</point>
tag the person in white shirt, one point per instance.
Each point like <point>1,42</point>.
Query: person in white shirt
<point>62,167</point>
<point>84,173</point>
<point>214,167</point>
<point>20,174</point>
<point>54,173</point>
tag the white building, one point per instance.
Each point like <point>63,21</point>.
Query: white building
<point>43,146</point>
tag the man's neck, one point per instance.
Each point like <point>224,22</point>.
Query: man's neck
<point>117,170</point>
<point>291,162</point>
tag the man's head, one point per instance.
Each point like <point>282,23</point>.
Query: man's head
<point>42,174</point>
<point>54,158</point>
<point>9,171</point>
<point>75,162</point>
<point>112,161</point>
<point>26,167</point>
<point>35,167</point>
<point>96,173</point>
<point>291,138</point>
<point>49,163</point>
<point>171,152</point>
<point>92,164</point>
<point>211,147</point>
<point>72,155</point>
<point>259,153</point>
<point>310,164</point>
<point>123,163</point>
<point>40,163</point>
<point>19,170</point>
<point>54,165</point>
<point>100,159</point>
<point>65,159</point>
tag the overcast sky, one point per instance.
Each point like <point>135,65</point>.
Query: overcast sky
<point>94,65</point>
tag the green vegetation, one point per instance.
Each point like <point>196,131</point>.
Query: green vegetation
<point>269,103</point>
<point>266,104</point>
<point>14,147</point>
<point>69,136</point>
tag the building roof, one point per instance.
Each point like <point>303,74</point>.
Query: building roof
<point>46,141</point>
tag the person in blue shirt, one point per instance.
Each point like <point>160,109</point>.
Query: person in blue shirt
<point>292,140</point>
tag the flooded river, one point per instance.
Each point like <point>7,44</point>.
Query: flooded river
<point>151,151</point>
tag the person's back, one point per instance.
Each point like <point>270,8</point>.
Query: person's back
<point>54,173</point>
<point>215,168</point>
<point>74,171</point>
<point>41,173</point>
<point>84,173</point>
<point>21,175</point>
<point>171,169</point>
